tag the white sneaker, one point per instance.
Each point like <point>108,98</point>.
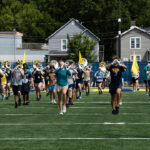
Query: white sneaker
<point>120,103</point>
<point>54,102</point>
<point>61,113</point>
<point>64,109</point>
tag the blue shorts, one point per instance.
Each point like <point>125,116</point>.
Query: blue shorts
<point>52,88</point>
<point>71,86</point>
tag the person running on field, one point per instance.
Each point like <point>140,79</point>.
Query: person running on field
<point>71,83</point>
<point>148,76</point>
<point>38,82</point>
<point>79,82</point>
<point>146,79</point>
<point>62,85</point>
<point>16,82</point>
<point>8,85</point>
<point>52,84</point>
<point>3,83</point>
<point>99,80</point>
<point>87,75</point>
<point>46,72</point>
<point>27,82</point>
<point>135,78</point>
<point>115,87</point>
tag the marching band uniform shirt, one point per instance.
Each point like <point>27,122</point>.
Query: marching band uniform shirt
<point>4,80</point>
<point>70,78</point>
<point>16,77</point>
<point>38,77</point>
<point>116,75</point>
<point>99,76</point>
<point>61,76</point>
<point>87,75</point>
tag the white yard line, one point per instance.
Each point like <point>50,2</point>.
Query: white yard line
<point>69,138</point>
<point>26,107</point>
<point>48,124</point>
<point>73,114</point>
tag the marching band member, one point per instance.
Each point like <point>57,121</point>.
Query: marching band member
<point>16,82</point>
<point>38,82</point>
<point>79,82</point>
<point>148,77</point>
<point>3,83</point>
<point>116,70</point>
<point>71,83</point>
<point>135,78</point>
<point>62,85</point>
<point>8,85</point>
<point>99,79</point>
<point>46,72</point>
<point>87,74</point>
<point>52,84</point>
<point>27,82</point>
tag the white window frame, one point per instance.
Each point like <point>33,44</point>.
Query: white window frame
<point>131,57</point>
<point>135,42</point>
<point>62,45</point>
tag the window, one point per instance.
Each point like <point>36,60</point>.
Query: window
<point>138,57</point>
<point>135,42</point>
<point>64,45</point>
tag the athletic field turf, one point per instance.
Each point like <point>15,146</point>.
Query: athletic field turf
<point>87,125</point>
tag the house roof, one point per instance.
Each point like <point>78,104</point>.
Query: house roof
<point>135,27</point>
<point>84,29</point>
<point>11,33</point>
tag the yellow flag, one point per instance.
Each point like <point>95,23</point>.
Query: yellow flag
<point>80,58</point>
<point>135,67</point>
<point>24,60</point>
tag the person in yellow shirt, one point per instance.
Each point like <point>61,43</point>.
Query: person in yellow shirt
<point>3,84</point>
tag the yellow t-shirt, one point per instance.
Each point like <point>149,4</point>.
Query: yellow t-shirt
<point>4,80</point>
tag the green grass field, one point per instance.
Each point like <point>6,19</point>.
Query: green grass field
<point>87,125</point>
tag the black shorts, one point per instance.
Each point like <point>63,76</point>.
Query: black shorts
<point>134,80</point>
<point>78,82</point>
<point>86,82</point>
<point>16,89</point>
<point>113,89</point>
<point>25,89</point>
<point>46,81</point>
<point>146,82</point>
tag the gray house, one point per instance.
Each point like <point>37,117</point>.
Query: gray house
<point>135,39</point>
<point>57,42</point>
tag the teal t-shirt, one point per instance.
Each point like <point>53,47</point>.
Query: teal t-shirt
<point>61,76</point>
<point>145,75</point>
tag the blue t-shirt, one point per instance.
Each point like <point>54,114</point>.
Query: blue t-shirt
<point>116,75</point>
<point>61,76</point>
<point>80,73</point>
<point>99,76</point>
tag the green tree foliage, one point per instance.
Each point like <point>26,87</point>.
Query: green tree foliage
<point>38,19</point>
<point>83,44</point>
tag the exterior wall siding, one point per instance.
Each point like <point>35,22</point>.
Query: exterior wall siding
<point>54,43</point>
<point>125,44</point>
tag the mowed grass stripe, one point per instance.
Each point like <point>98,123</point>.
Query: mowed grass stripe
<point>69,138</point>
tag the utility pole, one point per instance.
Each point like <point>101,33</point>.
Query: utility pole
<point>119,31</point>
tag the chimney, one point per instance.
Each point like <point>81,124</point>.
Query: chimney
<point>133,23</point>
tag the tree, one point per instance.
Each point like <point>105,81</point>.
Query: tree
<point>83,44</point>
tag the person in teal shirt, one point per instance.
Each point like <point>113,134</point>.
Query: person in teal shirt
<point>146,80</point>
<point>62,85</point>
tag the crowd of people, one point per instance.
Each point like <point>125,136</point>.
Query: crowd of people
<point>67,81</point>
